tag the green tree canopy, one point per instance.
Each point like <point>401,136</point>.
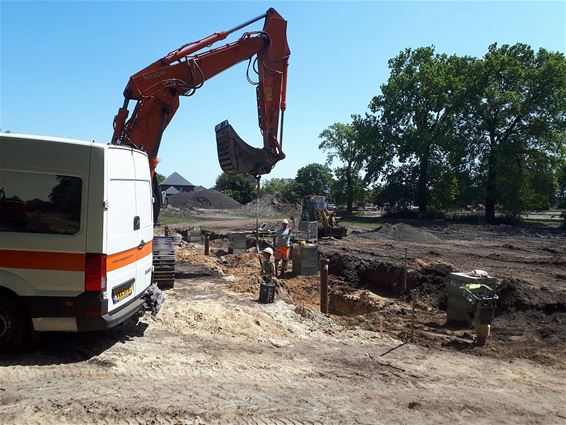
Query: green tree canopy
<point>515,115</point>
<point>466,130</point>
<point>273,186</point>
<point>417,111</point>
<point>312,179</point>
<point>160,177</point>
<point>345,143</point>
<point>242,187</point>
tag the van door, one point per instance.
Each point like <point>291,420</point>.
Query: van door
<point>144,210</point>
<point>122,237</point>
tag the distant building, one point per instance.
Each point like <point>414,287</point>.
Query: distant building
<point>171,191</point>
<point>176,183</point>
<point>286,181</point>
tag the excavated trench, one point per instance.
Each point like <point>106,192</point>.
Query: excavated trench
<point>530,322</point>
<point>371,284</point>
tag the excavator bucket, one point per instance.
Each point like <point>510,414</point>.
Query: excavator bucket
<point>236,156</point>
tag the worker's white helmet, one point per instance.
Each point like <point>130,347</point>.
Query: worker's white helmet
<point>285,221</point>
<point>268,251</point>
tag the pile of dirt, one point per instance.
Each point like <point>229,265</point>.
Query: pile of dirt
<point>206,199</point>
<point>271,205</point>
<point>401,232</point>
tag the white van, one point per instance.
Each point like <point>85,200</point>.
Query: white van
<point>76,231</point>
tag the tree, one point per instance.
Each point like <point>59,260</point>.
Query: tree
<point>242,187</point>
<point>398,190</point>
<point>561,180</point>
<point>160,177</point>
<point>515,106</point>
<point>273,186</point>
<point>344,142</point>
<point>356,188</point>
<point>417,111</point>
<point>312,179</point>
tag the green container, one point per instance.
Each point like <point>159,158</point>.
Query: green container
<point>464,291</point>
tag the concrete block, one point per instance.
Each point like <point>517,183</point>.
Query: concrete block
<point>305,259</point>
<point>237,242</point>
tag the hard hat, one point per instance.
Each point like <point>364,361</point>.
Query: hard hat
<point>285,221</point>
<point>268,251</point>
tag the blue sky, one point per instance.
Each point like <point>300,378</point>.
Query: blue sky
<point>64,65</point>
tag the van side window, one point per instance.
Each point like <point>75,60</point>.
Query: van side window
<point>40,203</point>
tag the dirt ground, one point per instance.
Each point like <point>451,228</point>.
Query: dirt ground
<point>530,319</point>
<point>367,273</point>
<point>215,355</point>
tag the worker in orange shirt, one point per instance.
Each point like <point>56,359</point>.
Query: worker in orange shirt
<point>282,243</point>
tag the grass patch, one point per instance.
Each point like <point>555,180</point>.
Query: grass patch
<point>360,224</point>
<point>543,220</point>
<point>163,219</point>
<point>360,220</point>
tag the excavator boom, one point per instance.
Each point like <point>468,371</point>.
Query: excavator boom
<point>157,88</point>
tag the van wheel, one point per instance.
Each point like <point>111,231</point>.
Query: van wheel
<point>12,326</point>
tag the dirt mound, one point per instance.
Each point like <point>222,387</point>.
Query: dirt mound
<point>517,295</point>
<point>207,199</point>
<point>271,205</point>
<point>401,232</point>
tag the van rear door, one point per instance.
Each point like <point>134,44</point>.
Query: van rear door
<point>122,229</point>
<point>144,210</point>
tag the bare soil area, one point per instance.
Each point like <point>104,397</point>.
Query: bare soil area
<point>367,274</point>
<point>215,355</point>
<point>530,317</point>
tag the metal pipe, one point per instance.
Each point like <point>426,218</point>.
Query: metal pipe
<point>324,285</point>
<point>245,24</point>
<point>281,130</point>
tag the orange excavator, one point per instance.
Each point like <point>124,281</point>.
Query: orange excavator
<point>157,88</point>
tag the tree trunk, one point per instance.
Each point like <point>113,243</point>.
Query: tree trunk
<point>491,186</point>
<point>349,192</point>
<point>422,184</point>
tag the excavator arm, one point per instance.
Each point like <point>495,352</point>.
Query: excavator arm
<point>157,88</point>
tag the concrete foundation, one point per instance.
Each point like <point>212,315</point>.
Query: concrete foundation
<point>305,259</point>
<point>308,231</point>
<point>237,242</point>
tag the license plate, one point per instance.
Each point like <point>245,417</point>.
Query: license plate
<point>122,292</point>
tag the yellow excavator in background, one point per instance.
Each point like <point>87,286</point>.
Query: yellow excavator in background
<point>315,208</point>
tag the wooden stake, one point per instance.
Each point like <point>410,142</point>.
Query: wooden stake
<point>405,274</point>
<point>206,245</point>
<point>324,286</point>
<point>413,302</point>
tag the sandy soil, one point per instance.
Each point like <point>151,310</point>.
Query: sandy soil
<point>367,271</point>
<point>215,356</point>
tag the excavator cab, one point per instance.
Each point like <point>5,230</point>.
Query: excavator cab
<point>236,156</point>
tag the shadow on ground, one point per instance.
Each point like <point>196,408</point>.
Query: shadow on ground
<point>66,348</point>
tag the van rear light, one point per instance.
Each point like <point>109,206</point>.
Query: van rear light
<point>95,272</point>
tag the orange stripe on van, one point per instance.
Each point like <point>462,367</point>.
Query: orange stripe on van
<point>62,261</point>
<point>129,256</point>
